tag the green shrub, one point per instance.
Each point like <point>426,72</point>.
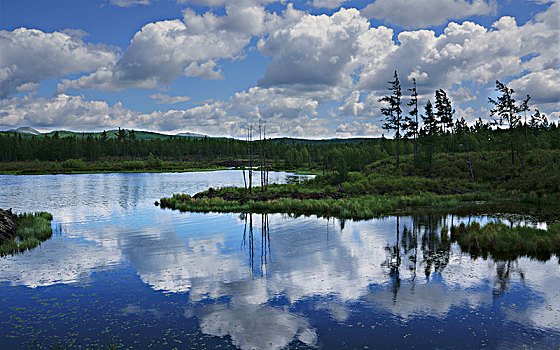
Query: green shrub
<point>153,162</point>
<point>73,164</point>
<point>133,164</point>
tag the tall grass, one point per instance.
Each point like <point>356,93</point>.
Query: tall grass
<point>507,243</point>
<point>32,229</point>
<point>361,207</point>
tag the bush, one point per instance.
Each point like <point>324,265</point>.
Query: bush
<point>73,164</point>
<point>153,162</point>
<point>133,164</point>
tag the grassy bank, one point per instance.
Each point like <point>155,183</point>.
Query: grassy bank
<point>358,208</point>
<point>32,229</point>
<point>507,243</point>
<point>78,166</point>
<point>383,189</point>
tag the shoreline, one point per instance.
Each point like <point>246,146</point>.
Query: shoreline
<point>147,171</point>
<point>82,172</point>
<point>362,207</point>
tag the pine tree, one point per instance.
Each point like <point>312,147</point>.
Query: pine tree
<point>392,113</point>
<point>507,110</point>
<point>444,112</point>
<point>413,123</point>
<point>430,130</point>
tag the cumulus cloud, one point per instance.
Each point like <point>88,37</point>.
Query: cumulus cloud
<point>129,3</point>
<point>313,52</point>
<point>29,56</point>
<point>158,54</point>
<point>462,94</point>
<point>284,114</point>
<point>166,99</point>
<point>63,111</point>
<point>543,86</point>
<point>316,59</point>
<point>206,70</point>
<point>416,13</point>
<point>357,128</point>
<point>328,4</point>
<point>163,50</point>
<point>468,52</point>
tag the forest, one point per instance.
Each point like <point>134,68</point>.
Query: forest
<point>425,135</point>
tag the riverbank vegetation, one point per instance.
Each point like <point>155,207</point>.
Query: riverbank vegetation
<point>382,189</point>
<point>442,162</point>
<point>507,242</point>
<point>79,166</point>
<point>32,230</point>
<point>426,132</point>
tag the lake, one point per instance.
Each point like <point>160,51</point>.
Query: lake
<point>122,271</point>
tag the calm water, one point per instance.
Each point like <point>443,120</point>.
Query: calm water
<point>127,272</point>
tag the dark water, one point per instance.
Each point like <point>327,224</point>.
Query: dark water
<point>126,272</point>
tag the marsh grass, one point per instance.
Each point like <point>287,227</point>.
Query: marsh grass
<point>507,243</point>
<point>32,229</point>
<point>361,207</point>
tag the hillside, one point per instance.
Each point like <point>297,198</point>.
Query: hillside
<point>28,132</point>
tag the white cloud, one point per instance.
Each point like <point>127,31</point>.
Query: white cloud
<point>158,54</point>
<point>163,50</point>
<point>543,87</point>
<point>63,111</point>
<point>328,4</point>
<point>283,113</point>
<point>129,3</point>
<point>313,52</point>
<point>352,105</point>
<point>206,70</point>
<point>29,56</point>
<point>462,94</point>
<point>357,128</point>
<point>166,99</point>
<point>417,13</point>
<point>468,52</point>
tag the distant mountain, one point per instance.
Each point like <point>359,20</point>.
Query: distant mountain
<point>29,132</point>
<point>190,134</point>
<point>140,135</point>
<point>25,130</point>
<point>293,141</point>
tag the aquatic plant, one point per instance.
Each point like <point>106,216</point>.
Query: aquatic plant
<point>32,229</point>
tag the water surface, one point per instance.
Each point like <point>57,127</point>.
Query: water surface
<point>125,271</point>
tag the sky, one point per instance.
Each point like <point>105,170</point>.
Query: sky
<point>311,68</point>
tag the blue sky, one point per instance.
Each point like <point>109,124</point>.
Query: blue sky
<point>311,68</point>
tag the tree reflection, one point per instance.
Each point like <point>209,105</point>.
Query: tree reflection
<point>248,243</point>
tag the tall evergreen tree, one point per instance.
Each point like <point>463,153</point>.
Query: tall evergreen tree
<point>444,112</point>
<point>506,109</point>
<point>525,108</point>
<point>413,120</point>
<point>393,111</point>
<point>429,131</point>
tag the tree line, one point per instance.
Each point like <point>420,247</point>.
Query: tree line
<point>437,128</point>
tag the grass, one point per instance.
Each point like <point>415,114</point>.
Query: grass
<point>383,189</point>
<point>78,166</point>
<point>507,243</point>
<point>358,208</point>
<point>32,229</point>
